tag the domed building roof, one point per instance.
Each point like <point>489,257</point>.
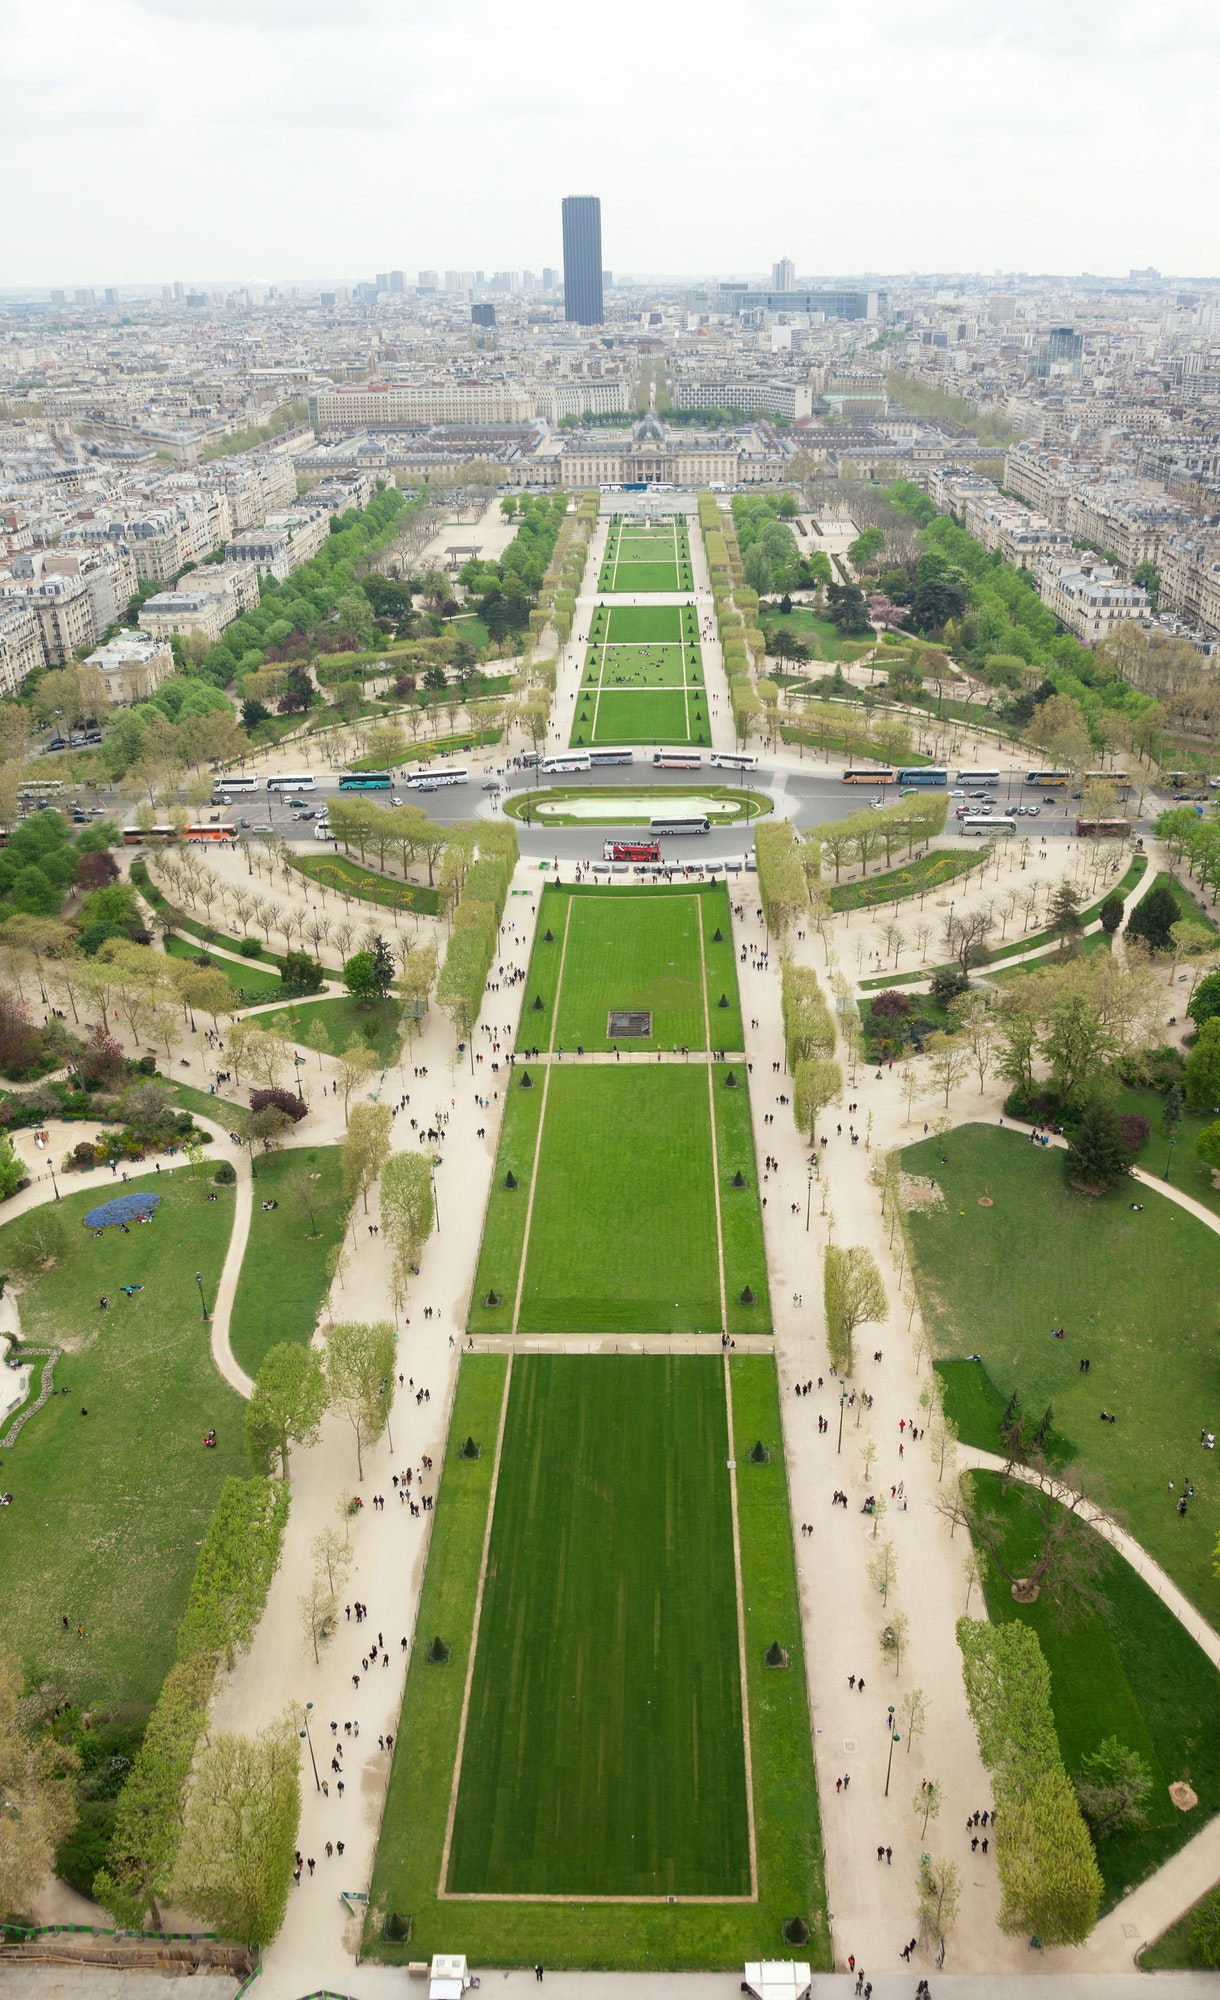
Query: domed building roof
<point>649,430</point>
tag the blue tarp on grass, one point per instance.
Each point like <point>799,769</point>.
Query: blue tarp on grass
<point>125,1208</point>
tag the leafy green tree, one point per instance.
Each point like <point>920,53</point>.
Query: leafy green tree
<point>1205,1000</point>
<point>1153,918</point>
<point>360,977</point>
<point>1111,914</point>
<point>1113,1788</point>
<point>37,1796</point>
<point>366,1148</point>
<point>148,1821</point>
<point>235,1862</point>
<point>817,1082</point>
<point>407,1211</point>
<point>1207,1145</point>
<point>360,1376</point>
<point>1203,1068</point>
<point>240,1555</point>
<point>1097,1157</point>
<point>854,1294</point>
<point>1065,917</point>
<point>289,1401</point>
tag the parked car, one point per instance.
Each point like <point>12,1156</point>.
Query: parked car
<point>1032,811</point>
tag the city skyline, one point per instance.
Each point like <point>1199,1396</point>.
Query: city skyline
<point>919,161</point>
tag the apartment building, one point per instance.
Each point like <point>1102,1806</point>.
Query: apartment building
<point>63,606</point>
<point>1089,599</point>
<point>177,613</point>
<point>383,406</point>
<point>776,398</point>
<point>581,397</point>
<point>20,646</point>
<point>283,541</point>
<point>132,665</point>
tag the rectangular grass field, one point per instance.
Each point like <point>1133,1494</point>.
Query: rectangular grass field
<point>654,949</point>
<point>620,1491</point>
<point>644,625</point>
<point>604,1744</point>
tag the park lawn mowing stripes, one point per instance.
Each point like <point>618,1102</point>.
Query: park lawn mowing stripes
<point>604,1742</point>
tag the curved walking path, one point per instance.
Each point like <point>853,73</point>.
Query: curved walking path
<point>226,1291</point>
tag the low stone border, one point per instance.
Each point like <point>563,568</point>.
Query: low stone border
<point>48,1389</point>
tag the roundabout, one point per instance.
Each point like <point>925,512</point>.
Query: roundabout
<point>634,805</point>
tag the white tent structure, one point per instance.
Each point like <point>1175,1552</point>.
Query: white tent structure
<point>779,1979</point>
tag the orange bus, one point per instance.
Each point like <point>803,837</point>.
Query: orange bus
<point>882,776</point>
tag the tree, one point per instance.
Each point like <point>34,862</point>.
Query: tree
<point>1111,913</point>
<point>883,1570</point>
<point>356,1065</point>
<point>1207,1146</point>
<point>1113,1788</point>
<point>360,1376</point>
<point>1154,916</point>
<point>37,1797</point>
<point>1097,1157</point>
<point>318,1607</point>
<point>1065,916</point>
<point>235,1861</point>
<point>1202,1078</point>
<point>854,1294</point>
<point>366,1148</point>
<point>977,1026</point>
<point>950,1055</point>
<point>940,1894</point>
<point>1059,1557</point>
<point>913,1715</point>
<point>148,1819</point>
<point>1077,1041</point>
<point>965,938</point>
<point>269,1125</point>
<point>892,1639</point>
<point>407,1210</point>
<point>1205,1000</point>
<point>287,1405</point>
<point>927,1803</point>
<point>817,1081</point>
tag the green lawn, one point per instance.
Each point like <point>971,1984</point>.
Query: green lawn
<point>283,1275</point>
<point>615,1935</point>
<point>350,878</point>
<point>1176,1950</point>
<point>636,949</point>
<point>643,624</point>
<point>109,1509</point>
<point>917,878</point>
<point>202,1104</point>
<point>645,716</point>
<point>342,1018</point>
<point>633,805</point>
<point>1188,904</point>
<point>745,1258</point>
<point>661,666</point>
<point>608,1642</point>
<point>623,1233</point>
<point>1126,1669</point>
<point>250,981</point>
<point>1136,1294</point>
<point>822,638</point>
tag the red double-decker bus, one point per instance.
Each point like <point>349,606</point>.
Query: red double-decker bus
<point>631,850</point>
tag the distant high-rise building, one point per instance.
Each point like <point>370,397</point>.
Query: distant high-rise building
<point>167,295</point>
<point>427,281</point>
<point>582,259</point>
<point>550,278</point>
<point>112,297</point>
<point>453,281</point>
<point>383,281</point>
<point>607,281</point>
<point>783,275</point>
<point>57,298</point>
<point>529,282</point>
<point>84,295</point>
<point>483,315</point>
<point>326,298</point>
<point>177,289</point>
<point>396,281</point>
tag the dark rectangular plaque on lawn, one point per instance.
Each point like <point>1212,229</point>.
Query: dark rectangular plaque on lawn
<point>629,1021</point>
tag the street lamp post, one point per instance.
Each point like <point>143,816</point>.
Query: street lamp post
<point>808,1197</point>
<point>894,1738</point>
<point>842,1400</point>
<point>54,1182</point>
<point>304,1733</point>
<point>436,1207</point>
<point>203,1302</point>
<point>1173,1140</point>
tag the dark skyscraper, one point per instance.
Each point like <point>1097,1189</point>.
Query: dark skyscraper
<point>582,259</point>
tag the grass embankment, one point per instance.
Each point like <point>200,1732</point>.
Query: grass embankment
<point>109,1508</point>
<point>1136,1295</point>
<point>1127,1669</point>
<point>350,878</point>
<point>283,1275</point>
<point>620,804</point>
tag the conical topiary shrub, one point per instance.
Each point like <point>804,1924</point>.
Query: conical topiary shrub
<point>748,1298</point>
<point>730,1081</point>
<point>491,1300</point>
<point>717,935</point>
<point>723,1000</point>
<point>470,1449</point>
<point>538,1007</point>
<point>759,1455</point>
<point>739,1179</point>
<point>548,937</point>
<point>438,1653</point>
<point>510,1179</point>
<point>527,1081</point>
<point>775,1655</point>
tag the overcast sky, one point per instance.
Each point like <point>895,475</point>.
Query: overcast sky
<point>143,140</point>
